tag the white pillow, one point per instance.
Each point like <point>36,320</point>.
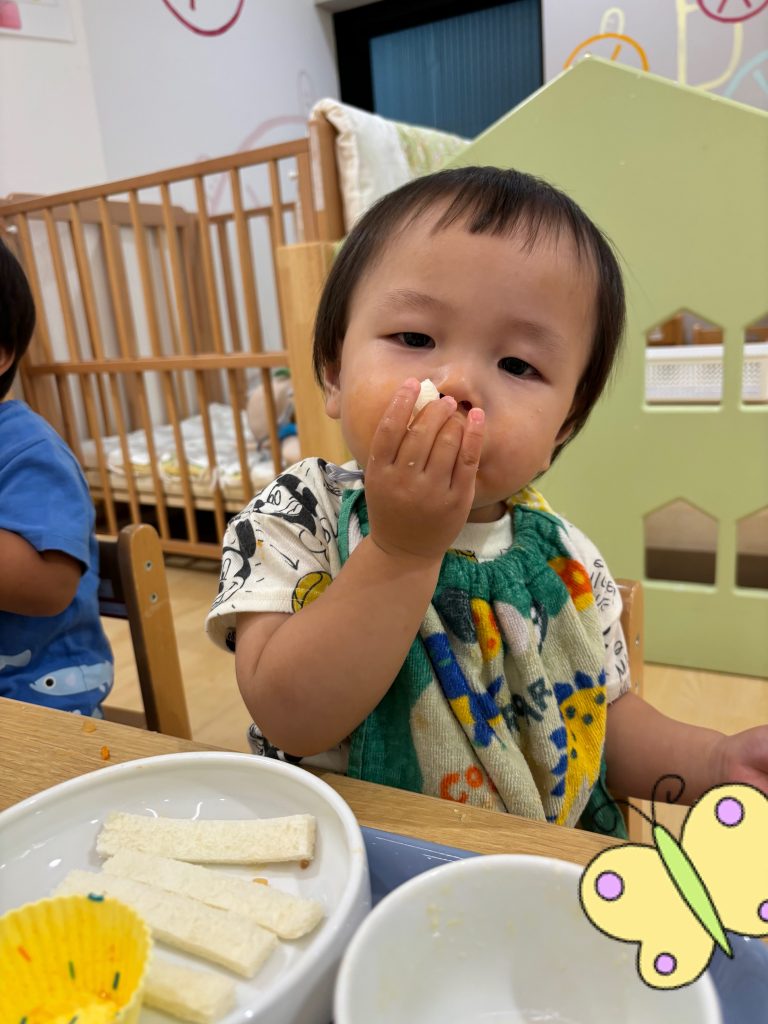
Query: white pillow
<point>369,157</point>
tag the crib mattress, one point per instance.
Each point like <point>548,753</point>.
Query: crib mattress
<point>225,476</point>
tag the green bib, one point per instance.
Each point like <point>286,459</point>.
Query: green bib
<point>501,700</point>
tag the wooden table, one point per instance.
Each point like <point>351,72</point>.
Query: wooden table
<point>40,747</point>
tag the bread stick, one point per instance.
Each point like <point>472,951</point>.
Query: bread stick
<point>253,841</point>
<point>216,935</point>
<point>288,916</point>
<point>198,996</point>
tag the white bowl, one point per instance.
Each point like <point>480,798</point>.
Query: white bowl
<point>500,940</point>
<point>46,836</point>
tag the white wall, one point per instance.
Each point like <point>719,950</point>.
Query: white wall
<point>49,128</point>
<point>678,39</point>
<point>138,91</point>
<point>166,95</point>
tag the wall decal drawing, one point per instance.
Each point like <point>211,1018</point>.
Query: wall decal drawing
<point>613,45</point>
<point>204,18</point>
<point>718,46</point>
<point>732,10</point>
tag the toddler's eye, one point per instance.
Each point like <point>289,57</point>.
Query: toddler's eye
<point>413,339</point>
<point>517,367</point>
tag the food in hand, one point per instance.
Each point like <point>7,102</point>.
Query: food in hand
<point>427,393</point>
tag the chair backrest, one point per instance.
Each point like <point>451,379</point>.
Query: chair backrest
<point>632,625</point>
<point>134,587</point>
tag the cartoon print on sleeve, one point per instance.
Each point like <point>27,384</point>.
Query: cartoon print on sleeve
<point>603,586</point>
<point>236,568</point>
<point>288,499</point>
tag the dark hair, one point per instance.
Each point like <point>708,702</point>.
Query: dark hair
<point>488,200</point>
<point>17,314</point>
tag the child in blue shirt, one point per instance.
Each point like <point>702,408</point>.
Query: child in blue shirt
<point>53,650</point>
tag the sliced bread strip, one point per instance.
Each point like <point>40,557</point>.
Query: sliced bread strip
<point>198,996</point>
<point>254,841</point>
<point>288,916</point>
<point>224,938</point>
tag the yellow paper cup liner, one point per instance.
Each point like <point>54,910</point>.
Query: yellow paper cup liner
<point>72,960</point>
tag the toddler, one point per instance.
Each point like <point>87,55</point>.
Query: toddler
<point>53,650</point>
<point>449,639</point>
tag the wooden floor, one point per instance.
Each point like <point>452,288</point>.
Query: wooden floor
<point>218,717</point>
<point>217,713</point>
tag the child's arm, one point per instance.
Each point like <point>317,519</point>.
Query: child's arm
<point>40,583</point>
<point>642,744</point>
<point>310,678</point>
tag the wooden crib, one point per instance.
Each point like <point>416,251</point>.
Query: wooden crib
<point>163,301</point>
<point>159,309</point>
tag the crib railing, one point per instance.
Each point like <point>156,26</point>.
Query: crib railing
<point>158,305</point>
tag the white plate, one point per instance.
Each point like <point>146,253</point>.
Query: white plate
<point>46,836</point>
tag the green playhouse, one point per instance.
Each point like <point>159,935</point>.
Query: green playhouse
<point>677,179</point>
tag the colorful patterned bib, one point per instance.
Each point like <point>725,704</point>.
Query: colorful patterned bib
<point>501,700</point>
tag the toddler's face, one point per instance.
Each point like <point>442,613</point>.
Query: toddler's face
<point>494,326</point>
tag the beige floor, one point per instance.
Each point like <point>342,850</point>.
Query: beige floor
<point>216,712</point>
<point>218,717</point>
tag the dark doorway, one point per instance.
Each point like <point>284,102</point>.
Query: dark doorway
<point>453,66</point>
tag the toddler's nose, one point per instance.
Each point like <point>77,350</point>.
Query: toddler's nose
<point>458,387</point>
<point>463,406</point>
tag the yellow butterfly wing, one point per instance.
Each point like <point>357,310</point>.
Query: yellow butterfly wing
<point>627,893</point>
<point>726,837</point>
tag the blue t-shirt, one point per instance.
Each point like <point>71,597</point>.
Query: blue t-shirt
<point>62,661</point>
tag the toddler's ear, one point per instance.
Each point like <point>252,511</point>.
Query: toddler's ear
<point>6,358</point>
<point>564,433</point>
<point>332,391</point>
<point>562,436</point>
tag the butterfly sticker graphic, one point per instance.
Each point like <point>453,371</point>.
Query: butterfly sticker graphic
<point>676,899</point>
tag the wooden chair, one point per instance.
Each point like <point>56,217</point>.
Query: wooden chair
<point>632,625</point>
<point>134,587</point>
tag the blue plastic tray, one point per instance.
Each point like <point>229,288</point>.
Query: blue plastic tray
<point>741,983</point>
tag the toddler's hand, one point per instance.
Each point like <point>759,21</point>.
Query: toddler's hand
<point>420,481</point>
<point>743,758</point>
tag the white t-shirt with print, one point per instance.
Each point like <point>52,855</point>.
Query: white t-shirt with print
<point>284,545</point>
